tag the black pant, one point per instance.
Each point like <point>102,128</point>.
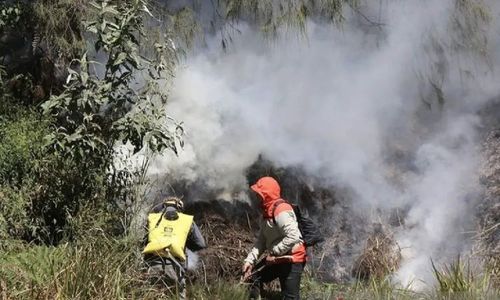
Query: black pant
<point>167,273</point>
<point>289,275</point>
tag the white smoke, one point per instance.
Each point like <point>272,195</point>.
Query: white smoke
<point>335,103</point>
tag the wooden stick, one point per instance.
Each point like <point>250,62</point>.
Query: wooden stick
<point>248,221</point>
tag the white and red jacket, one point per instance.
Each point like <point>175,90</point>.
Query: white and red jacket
<point>280,238</point>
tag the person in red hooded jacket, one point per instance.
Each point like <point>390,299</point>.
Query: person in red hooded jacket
<point>280,237</point>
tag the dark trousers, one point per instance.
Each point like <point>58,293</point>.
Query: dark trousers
<point>167,273</point>
<point>289,275</point>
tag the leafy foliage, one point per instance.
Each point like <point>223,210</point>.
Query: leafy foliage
<point>10,15</point>
<point>21,154</point>
<point>118,103</point>
<point>14,218</point>
<point>95,113</point>
<point>56,166</point>
<point>21,137</point>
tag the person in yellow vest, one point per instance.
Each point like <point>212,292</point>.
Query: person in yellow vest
<point>170,234</point>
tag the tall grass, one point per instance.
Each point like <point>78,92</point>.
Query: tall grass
<point>100,267</point>
<point>458,280</point>
<point>97,267</point>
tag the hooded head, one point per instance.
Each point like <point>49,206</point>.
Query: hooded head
<point>269,191</point>
<point>172,205</point>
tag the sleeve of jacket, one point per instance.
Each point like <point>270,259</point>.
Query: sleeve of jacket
<point>195,240</point>
<point>287,223</point>
<point>257,249</point>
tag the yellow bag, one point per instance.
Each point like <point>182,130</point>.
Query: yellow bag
<point>168,236</point>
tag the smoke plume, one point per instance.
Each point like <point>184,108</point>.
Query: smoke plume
<point>387,109</point>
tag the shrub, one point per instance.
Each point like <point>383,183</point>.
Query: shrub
<point>21,153</point>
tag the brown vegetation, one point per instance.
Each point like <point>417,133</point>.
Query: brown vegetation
<point>380,257</point>
<point>229,232</point>
<point>489,211</point>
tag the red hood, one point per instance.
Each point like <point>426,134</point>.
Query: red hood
<point>269,191</point>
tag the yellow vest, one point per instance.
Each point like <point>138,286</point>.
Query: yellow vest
<point>168,237</point>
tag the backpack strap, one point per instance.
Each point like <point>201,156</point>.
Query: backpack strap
<point>275,205</point>
<point>163,211</point>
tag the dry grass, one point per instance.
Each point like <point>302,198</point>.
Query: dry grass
<point>229,244</point>
<point>380,257</point>
<point>489,210</point>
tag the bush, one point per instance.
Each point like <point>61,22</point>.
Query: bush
<point>14,218</point>
<point>22,134</point>
<point>41,192</point>
<point>21,153</point>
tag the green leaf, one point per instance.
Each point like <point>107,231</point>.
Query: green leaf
<point>74,137</point>
<point>120,58</point>
<point>85,77</point>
